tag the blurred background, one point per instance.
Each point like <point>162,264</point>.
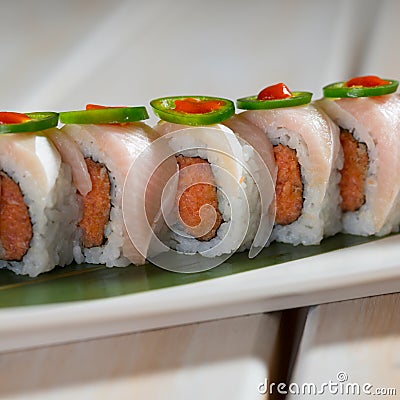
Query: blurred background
<point>60,55</point>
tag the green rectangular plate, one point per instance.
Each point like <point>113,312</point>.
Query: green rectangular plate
<point>88,281</point>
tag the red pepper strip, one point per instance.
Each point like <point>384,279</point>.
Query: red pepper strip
<point>99,107</point>
<point>7,117</point>
<point>366,81</point>
<point>191,105</point>
<point>275,92</point>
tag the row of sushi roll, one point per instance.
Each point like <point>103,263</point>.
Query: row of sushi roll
<point>101,186</point>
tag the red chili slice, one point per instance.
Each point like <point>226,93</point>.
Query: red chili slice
<point>99,107</point>
<point>275,92</point>
<point>366,81</point>
<point>7,117</point>
<point>191,105</point>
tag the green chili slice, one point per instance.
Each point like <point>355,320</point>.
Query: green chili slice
<point>104,115</point>
<point>342,90</point>
<point>38,121</point>
<point>193,110</point>
<point>252,103</point>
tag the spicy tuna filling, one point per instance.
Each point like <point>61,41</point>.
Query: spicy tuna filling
<point>15,224</point>
<point>289,187</point>
<point>96,205</point>
<point>194,195</point>
<point>354,172</point>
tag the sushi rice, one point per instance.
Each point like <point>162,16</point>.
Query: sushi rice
<point>236,171</point>
<point>51,199</point>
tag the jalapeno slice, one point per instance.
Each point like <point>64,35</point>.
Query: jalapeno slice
<point>363,86</point>
<point>193,110</point>
<point>29,122</point>
<point>104,115</point>
<point>253,103</point>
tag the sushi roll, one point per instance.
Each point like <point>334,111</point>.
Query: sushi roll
<point>38,204</point>
<point>224,189</point>
<point>307,154</point>
<point>101,143</point>
<point>367,111</point>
